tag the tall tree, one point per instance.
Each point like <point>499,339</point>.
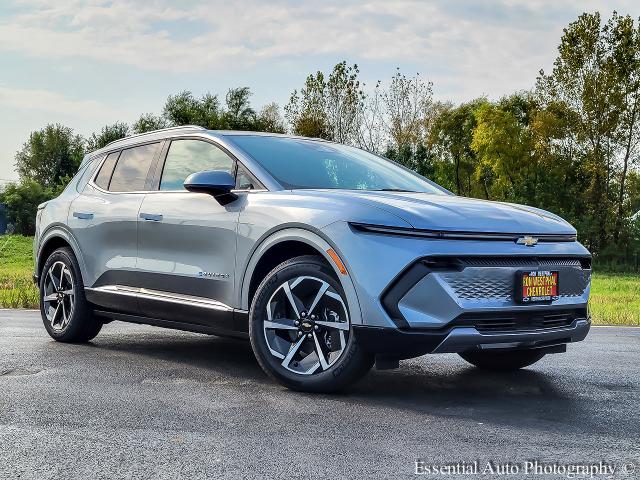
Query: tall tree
<point>451,138</point>
<point>372,134</point>
<point>583,83</point>
<point>503,143</point>
<point>50,155</point>
<point>407,102</point>
<point>148,122</point>
<point>270,120</point>
<point>328,107</point>
<point>622,37</point>
<point>239,114</point>
<point>185,109</point>
<point>108,134</point>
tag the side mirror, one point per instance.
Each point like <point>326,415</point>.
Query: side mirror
<point>214,182</point>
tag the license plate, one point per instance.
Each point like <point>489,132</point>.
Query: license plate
<point>537,286</point>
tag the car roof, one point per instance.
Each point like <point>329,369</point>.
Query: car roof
<point>224,138</point>
<point>186,129</point>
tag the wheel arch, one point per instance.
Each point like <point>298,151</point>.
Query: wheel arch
<point>288,243</point>
<point>54,238</point>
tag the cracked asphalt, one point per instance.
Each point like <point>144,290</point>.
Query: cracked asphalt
<point>146,402</point>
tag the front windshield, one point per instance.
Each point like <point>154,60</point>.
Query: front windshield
<point>299,163</point>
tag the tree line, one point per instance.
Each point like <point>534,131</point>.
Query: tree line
<point>570,144</point>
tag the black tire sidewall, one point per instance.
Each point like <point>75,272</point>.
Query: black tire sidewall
<point>352,361</point>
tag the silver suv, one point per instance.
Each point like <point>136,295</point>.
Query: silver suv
<point>327,257</point>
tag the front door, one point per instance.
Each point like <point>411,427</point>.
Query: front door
<point>187,242</point>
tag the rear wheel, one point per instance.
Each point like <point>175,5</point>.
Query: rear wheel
<point>502,360</point>
<point>300,329</point>
<point>65,312</point>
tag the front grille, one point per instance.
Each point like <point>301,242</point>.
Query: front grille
<point>493,278</point>
<point>496,322</point>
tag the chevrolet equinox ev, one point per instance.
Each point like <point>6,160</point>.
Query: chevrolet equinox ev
<point>327,257</point>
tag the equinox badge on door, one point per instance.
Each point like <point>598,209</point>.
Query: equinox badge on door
<point>213,275</point>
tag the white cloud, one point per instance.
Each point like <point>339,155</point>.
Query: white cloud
<point>132,32</point>
<point>470,47</point>
<point>52,102</point>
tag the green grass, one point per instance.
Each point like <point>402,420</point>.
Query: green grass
<point>16,267</point>
<point>615,297</point>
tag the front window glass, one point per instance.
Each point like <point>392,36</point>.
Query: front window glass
<point>244,181</point>
<point>190,156</point>
<point>299,163</point>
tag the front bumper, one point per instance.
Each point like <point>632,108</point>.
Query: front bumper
<point>395,343</point>
<point>420,295</point>
<point>479,291</point>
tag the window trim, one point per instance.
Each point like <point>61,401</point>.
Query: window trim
<point>157,166</point>
<point>119,151</point>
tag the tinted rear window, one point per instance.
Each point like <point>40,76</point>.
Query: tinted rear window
<point>103,178</point>
<point>131,171</point>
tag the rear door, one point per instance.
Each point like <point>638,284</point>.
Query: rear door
<point>104,221</point>
<point>187,241</point>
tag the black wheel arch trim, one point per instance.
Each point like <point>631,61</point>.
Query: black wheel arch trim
<point>56,231</point>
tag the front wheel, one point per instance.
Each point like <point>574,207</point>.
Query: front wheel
<point>300,329</point>
<point>502,360</point>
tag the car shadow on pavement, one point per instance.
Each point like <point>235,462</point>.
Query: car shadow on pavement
<point>438,387</point>
<point>522,398</point>
<point>193,352</point>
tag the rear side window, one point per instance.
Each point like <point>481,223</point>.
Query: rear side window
<point>84,175</point>
<point>104,176</point>
<point>189,156</point>
<point>130,174</point>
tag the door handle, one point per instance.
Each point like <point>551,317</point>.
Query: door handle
<point>83,215</point>
<point>154,217</point>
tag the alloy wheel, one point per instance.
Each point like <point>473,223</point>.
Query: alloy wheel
<point>306,325</point>
<point>58,298</point>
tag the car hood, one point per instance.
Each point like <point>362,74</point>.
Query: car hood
<point>453,213</point>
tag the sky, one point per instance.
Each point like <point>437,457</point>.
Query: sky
<point>89,63</point>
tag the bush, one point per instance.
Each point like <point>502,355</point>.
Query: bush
<point>22,200</point>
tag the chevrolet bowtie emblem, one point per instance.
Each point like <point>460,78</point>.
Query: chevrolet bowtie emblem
<point>527,241</point>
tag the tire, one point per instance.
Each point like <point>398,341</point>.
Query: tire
<point>502,360</point>
<point>68,317</point>
<point>313,288</point>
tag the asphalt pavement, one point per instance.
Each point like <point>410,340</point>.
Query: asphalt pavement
<point>146,402</point>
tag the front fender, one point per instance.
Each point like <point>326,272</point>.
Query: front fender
<point>314,239</point>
